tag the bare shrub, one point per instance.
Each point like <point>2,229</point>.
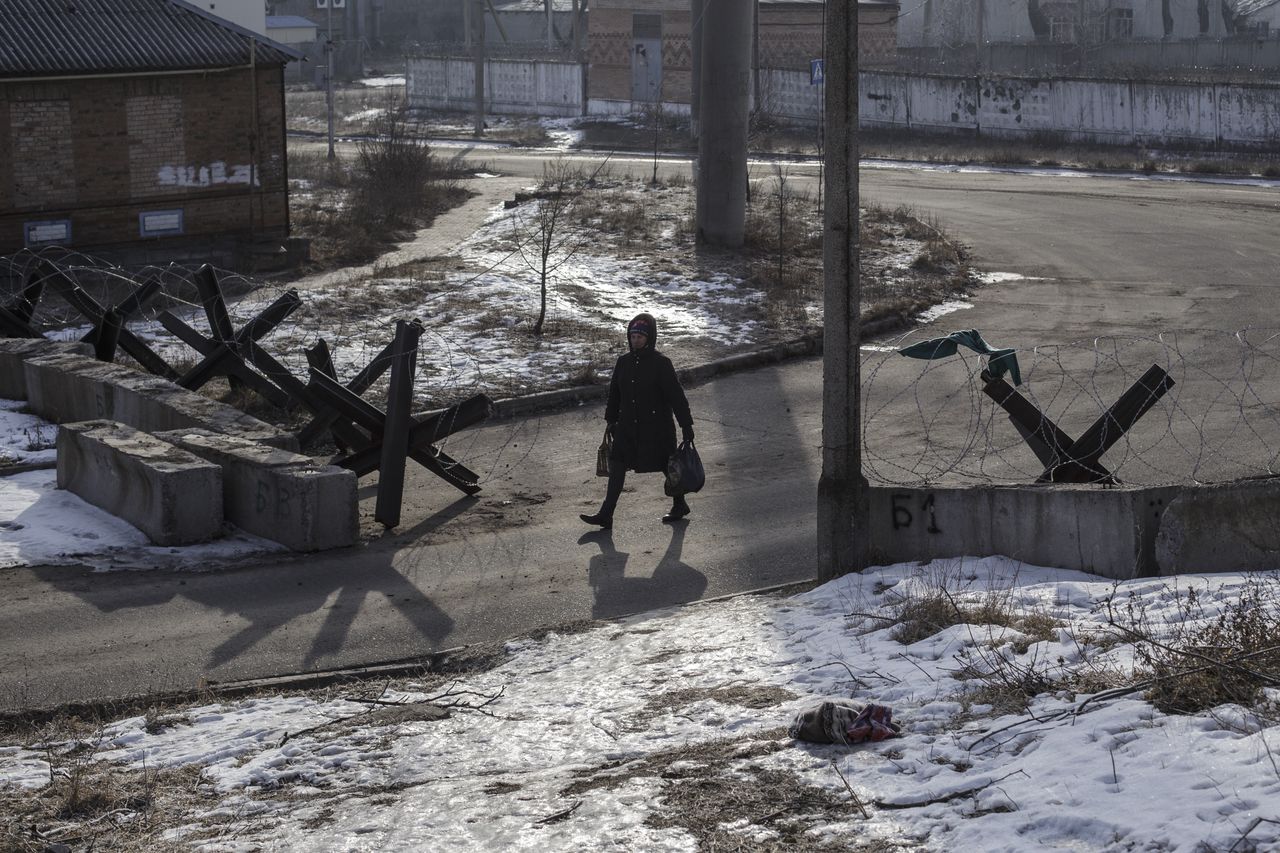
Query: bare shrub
<point>1214,654</point>
<point>355,207</point>
<point>397,179</point>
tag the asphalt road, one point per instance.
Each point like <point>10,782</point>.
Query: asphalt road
<point>1112,255</point>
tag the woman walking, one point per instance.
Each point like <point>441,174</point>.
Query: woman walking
<point>643,395</point>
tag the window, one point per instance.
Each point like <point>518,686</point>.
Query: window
<point>1062,30</point>
<point>1119,24</point>
<point>646,26</point>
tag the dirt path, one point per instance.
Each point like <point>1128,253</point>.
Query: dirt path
<point>440,239</point>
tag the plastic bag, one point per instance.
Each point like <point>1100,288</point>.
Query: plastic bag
<point>684,471</point>
<point>602,455</point>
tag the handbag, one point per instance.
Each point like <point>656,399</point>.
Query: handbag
<point>602,455</point>
<point>685,473</point>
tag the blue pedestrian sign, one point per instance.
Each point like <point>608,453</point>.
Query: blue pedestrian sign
<point>815,72</point>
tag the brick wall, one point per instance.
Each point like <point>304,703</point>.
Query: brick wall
<point>44,164</point>
<point>99,152</point>
<point>156,141</point>
<point>789,37</point>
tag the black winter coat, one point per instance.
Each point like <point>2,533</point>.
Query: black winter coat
<point>643,395</point>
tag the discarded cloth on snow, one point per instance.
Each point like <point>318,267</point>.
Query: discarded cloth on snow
<point>1001,361</point>
<point>844,723</point>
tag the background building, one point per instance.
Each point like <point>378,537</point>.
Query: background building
<point>639,50</point>
<point>142,125</point>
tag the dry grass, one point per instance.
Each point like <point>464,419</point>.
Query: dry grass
<point>742,695</point>
<point>622,214</point>
<point>353,208</point>
<point>1213,655</point>
<point>715,792</point>
<point>90,804</point>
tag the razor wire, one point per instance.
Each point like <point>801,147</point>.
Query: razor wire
<point>929,423</point>
<point>924,423</point>
<point>355,317</point>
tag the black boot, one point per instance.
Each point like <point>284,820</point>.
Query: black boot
<point>599,519</point>
<point>679,509</point>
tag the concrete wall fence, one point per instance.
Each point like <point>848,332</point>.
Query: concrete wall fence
<point>512,87</point>
<point>1122,112</point>
<point>1254,56</point>
<point>1116,112</point>
<point>1120,532</point>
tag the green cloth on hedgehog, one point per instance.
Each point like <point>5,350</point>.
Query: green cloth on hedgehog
<point>1001,361</point>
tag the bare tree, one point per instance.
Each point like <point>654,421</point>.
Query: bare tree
<point>549,240</point>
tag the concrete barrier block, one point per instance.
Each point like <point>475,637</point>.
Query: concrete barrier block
<point>64,388</point>
<point>1109,532</point>
<point>1230,527</point>
<point>157,405</point>
<point>172,496</point>
<point>14,353</point>
<point>279,495</point>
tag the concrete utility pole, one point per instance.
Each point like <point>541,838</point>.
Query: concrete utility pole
<point>551,28</point>
<point>842,490</point>
<point>477,21</point>
<point>328,73</point>
<point>695,94</point>
<point>722,141</point>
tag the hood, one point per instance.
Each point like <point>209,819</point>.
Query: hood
<point>652,323</point>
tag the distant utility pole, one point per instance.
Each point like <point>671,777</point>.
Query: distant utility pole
<point>842,490</point>
<point>723,115</point>
<point>695,94</point>
<point>477,21</point>
<point>982,35</point>
<point>328,74</point>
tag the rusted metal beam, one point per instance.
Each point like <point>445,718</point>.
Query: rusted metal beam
<point>89,308</point>
<point>218,360</point>
<point>1083,454</point>
<point>395,431</point>
<point>426,430</point>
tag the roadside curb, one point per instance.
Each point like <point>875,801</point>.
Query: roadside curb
<point>805,346</point>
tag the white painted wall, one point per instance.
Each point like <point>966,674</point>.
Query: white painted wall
<point>250,14</point>
<point>1107,111</point>
<point>948,23</point>
<point>512,87</point>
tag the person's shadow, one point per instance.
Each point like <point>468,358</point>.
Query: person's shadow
<point>673,581</point>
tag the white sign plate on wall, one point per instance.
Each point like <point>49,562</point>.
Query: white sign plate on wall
<point>158,223</point>
<point>49,232</point>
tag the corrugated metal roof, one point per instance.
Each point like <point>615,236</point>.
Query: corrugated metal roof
<point>56,37</point>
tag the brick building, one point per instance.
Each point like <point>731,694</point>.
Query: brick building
<point>139,124</point>
<point>639,47</point>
